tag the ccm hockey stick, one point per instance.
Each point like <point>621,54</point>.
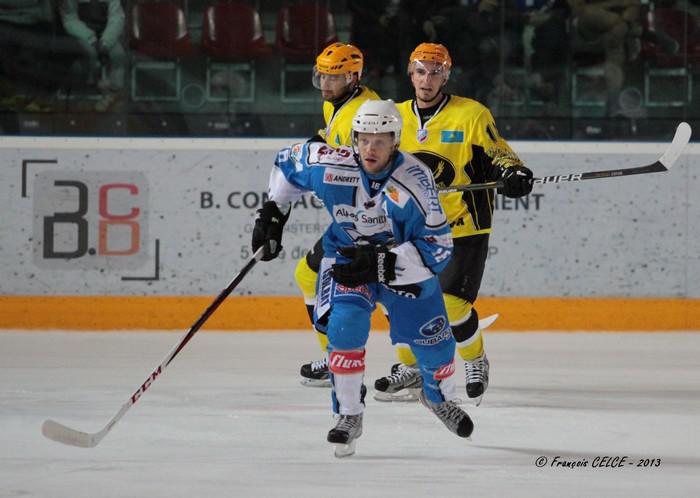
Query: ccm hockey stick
<point>664,163</point>
<point>66,435</point>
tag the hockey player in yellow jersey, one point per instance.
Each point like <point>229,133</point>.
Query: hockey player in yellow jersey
<point>337,75</point>
<point>457,139</point>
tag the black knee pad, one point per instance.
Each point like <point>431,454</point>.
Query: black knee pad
<point>466,330</point>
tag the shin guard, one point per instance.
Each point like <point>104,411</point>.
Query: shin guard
<point>347,372</point>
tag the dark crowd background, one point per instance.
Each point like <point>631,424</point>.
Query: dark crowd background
<point>547,69</point>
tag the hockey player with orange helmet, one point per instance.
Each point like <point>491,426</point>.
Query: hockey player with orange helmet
<point>457,139</point>
<point>337,73</point>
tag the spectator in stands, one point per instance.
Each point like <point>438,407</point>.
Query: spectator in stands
<point>374,26</point>
<point>684,32</point>
<point>35,55</point>
<point>98,26</point>
<point>549,45</point>
<point>485,33</point>
<point>610,27</point>
<point>405,28</point>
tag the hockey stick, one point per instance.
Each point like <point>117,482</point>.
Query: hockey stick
<point>66,435</point>
<point>664,163</point>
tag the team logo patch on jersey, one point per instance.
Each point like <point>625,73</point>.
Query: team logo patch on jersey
<point>434,331</point>
<point>443,170</point>
<point>421,135</point>
<point>341,178</point>
<point>393,194</point>
<point>451,136</point>
<point>433,327</point>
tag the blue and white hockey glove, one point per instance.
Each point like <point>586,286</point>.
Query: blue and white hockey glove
<point>368,264</point>
<point>517,181</point>
<point>268,230</point>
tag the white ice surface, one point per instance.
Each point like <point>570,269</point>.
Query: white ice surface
<point>229,418</point>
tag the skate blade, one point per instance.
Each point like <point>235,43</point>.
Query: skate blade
<point>400,397</point>
<point>477,400</point>
<point>344,450</point>
<point>316,382</point>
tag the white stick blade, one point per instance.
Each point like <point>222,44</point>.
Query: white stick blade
<point>680,140</point>
<point>66,435</point>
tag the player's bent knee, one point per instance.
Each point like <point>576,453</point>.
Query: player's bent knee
<point>467,328</point>
<point>348,326</point>
<point>458,308</point>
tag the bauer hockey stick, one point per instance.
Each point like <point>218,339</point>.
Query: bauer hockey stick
<point>664,163</point>
<point>66,435</point>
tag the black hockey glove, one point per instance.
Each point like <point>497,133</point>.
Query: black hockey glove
<point>517,181</point>
<point>368,264</point>
<point>268,230</point>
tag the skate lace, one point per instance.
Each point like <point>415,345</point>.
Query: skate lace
<point>476,370</point>
<point>449,413</point>
<point>403,373</point>
<point>348,423</point>
<point>319,365</point>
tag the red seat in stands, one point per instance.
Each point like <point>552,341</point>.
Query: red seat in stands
<point>159,39</point>
<point>233,39</point>
<point>302,32</point>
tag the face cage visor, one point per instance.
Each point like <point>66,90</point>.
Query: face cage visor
<point>316,78</point>
<point>432,68</point>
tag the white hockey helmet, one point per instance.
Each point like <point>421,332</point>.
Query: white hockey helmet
<point>378,116</point>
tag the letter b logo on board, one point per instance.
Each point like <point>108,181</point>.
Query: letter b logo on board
<point>90,220</point>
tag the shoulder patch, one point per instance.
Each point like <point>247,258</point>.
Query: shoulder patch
<point>395,195</point>
<point>320,153</point>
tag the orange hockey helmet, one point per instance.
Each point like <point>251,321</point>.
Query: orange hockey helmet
<point>340,58</point>
<point>431,52</point>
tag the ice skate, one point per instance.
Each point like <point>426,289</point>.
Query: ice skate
<point>403,384</point>
<point>344,434</point>
<point>315,374</point>
<point>477,372</point>
<point>454,418</point>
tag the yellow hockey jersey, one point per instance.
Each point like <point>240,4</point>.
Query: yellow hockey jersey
<point>338,130</point>
<point>461,145</point>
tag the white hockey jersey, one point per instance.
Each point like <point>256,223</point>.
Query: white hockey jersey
<point>401,210</point>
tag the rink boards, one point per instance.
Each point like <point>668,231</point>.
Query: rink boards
<point>142,233</point>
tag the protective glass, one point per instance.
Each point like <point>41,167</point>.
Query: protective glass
<point>333,79</point>
<point>429,68</point>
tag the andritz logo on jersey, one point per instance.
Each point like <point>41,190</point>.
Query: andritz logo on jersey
<point>451,136</point>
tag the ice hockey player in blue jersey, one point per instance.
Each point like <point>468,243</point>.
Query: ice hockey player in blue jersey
<point>388,239</point>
